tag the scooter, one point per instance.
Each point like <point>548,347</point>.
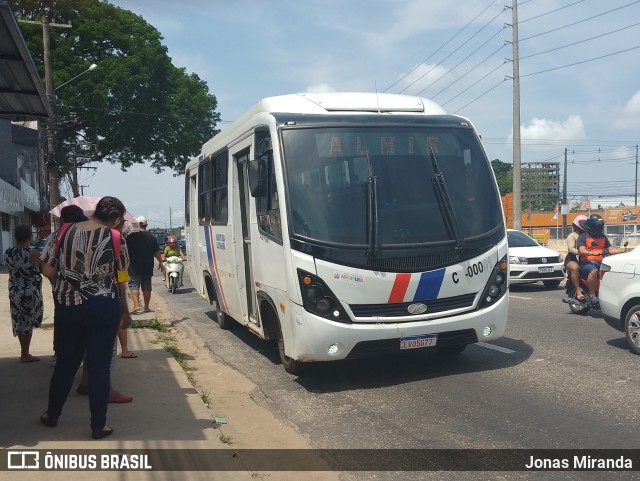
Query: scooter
<point>174,268</point>
<point>582,307</point>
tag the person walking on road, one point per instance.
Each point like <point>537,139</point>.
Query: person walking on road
<point>90,305</point>
<point>25,290</point>
<point>143,248</point>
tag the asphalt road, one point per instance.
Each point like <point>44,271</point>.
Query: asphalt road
<point>556,380</point>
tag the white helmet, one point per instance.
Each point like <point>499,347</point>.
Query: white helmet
<point>142,220</point>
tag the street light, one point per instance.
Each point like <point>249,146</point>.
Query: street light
<point>91,67</point>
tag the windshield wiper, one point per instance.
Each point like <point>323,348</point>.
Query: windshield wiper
<point>444,200</point>
<point>372,210</point>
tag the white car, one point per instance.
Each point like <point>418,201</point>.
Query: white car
<point>620,294</point>
<point>531,262</point>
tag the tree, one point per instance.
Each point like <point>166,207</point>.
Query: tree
<point>136,107</point>
<point>504,176</point>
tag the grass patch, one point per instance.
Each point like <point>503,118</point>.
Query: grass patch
<point>205,397</point>
<point>225,438</point>
<point>168,341</point>
<point>136,324</point>
<point>157,326</point>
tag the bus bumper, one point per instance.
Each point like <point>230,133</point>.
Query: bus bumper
<point>319,339</point>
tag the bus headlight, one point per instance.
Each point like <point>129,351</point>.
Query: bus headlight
<point>496,286</point>
<point>318,299</point>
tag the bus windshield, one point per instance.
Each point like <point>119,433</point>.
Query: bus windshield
<point>361,186</point>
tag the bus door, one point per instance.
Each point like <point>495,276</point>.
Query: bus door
<point>242,163</point>
<point>196,247</point>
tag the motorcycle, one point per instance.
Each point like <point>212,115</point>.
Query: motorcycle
<point>175,269</point>
<point>583,306</point>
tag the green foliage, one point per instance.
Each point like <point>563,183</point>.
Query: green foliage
<point>135,107</point>
<point>504,176</point>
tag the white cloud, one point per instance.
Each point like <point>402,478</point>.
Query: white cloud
<point>550,130</point>
<point>633,105</point>
<point>629,119</point>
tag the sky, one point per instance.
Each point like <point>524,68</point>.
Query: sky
<point>578,66</point>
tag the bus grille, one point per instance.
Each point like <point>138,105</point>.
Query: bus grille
<point>414,263</point>
<point>400,309</point>
<point>389,346</point>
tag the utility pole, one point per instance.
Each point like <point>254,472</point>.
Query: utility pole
<point>636,202</point>
<point>564,196</point>
<point>51,163</point>
<point>517,162</point>
<point>75,187</point>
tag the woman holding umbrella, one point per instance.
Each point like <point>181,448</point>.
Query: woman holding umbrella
<point>90,304</point>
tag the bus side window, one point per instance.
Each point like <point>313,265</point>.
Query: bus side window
<point>268,204</point>
<point>220,208</point>
<point>204,191</point>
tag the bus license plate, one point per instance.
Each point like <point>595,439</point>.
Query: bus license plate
<point>545,269</point>
<point>417,342</point>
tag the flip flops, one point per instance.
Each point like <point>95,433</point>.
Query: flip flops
<point>133,355</point>
<point>137,311</point>
<point>147,310</point>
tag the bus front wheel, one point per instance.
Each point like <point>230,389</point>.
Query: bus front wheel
<point>290,365</point>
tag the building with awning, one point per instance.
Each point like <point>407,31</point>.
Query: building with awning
<point>23,102</point>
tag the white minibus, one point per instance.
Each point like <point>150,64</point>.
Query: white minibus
<point>345,225</point>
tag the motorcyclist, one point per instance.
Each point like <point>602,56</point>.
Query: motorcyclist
<point>571,261</point>
<point>171,249</point>
<point>592,245</point>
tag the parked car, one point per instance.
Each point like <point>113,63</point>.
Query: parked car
<point>620,294</point>
<point>531,262</point>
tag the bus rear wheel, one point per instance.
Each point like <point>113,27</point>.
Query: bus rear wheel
<point>225,321</point>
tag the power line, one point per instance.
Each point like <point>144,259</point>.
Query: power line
<point>581,41</point>
<point>581,62</point>
<point>480,96</point>
<point>464,59</point>
<point>469,71</point>
<point>456,50</point>
<point>549,12</point>
<point>440,47</point>
<point>548,70</point>
<point>580,21</point>
<point>474,84</point>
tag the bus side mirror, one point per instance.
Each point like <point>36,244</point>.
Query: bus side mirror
<point>257,177</point>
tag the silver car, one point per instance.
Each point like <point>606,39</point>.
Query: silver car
<point>531,262</point>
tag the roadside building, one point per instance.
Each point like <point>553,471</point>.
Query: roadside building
<point>23,187</point>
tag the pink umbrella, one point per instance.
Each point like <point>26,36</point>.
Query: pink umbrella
<point>87,203</point>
